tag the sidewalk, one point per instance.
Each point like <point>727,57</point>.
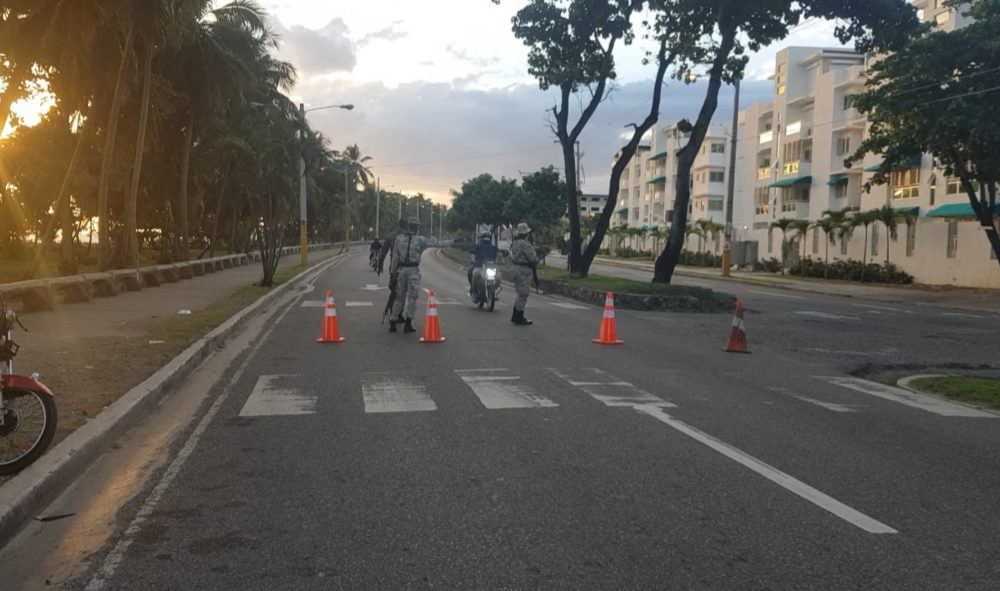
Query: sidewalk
<point>108,359</point>
<point>974,300</point>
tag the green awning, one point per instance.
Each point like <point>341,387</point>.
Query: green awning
<point>957,210</point>
<point>801,180</point>
<point>911,210</point>
<point>911,162</point>
<point>837,179</point>
<point>621,210</point>
<point>659,156</point>
<point>656,179</point>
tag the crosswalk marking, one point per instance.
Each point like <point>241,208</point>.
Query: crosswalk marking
<point>913,399</point>
<point>826,315</point>
<point>827,405</point>
<point>502,391</point>
<point>271,396</point>
<point>350,304</point>
<point>386,392</point>
<point>608,389</point>
<point>312,304</point>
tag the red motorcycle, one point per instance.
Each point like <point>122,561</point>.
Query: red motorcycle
<point>27,407</point>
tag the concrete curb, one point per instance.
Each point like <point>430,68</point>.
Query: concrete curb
<point>42,482</point>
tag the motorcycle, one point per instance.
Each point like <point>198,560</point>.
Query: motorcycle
<point>27,407</point>
<point>486,286</point>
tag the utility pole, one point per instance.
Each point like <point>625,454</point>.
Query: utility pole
<point>378,199</point>
<point>727,253</point>
<point>303,224</point>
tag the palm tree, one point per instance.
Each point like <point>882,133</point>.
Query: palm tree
<point>829,226</point>
<point>889,218</point>
<point>865,219</point>
<point>783,224</point>
<point>694,230</point>
<point>800,227</point>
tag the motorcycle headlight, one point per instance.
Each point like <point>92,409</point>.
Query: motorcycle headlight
<point>491,273</point>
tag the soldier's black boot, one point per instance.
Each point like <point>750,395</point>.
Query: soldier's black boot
<point>513,316</point>
<point>522,320</point>
<point>392,326</point>
<point>408,327</point>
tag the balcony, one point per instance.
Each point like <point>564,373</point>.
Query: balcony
<point>767,137</point>
<point>791,167</point>
<point>763,173</point>
<point>763,208</point>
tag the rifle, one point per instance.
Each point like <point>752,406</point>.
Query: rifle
<point>534,277</point>
<point>392,296</point>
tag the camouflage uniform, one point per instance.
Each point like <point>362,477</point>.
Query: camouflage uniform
<point>406,251</point>
<point>522,254</point>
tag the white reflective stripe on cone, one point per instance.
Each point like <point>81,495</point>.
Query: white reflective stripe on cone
<point>432,312</point>
<point>609,313</point>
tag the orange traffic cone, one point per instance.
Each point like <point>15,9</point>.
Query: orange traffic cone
<point>737,341</point>
<point>608,324</point>
<point>331,333</point>
<point>432,326</point>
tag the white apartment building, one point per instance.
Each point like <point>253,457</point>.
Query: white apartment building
<point>646,195</point>
<point>790,164</point>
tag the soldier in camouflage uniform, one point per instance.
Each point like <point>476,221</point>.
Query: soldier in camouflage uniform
<point>522,254</point>
<point>387,244</point>
<point>406,251</point>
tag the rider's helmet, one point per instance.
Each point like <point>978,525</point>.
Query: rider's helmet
<point>486,237</point>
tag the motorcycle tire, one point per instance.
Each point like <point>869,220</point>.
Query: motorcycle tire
<point>491,295</point>
<point>28,428</point>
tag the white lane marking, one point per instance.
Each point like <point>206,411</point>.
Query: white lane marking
<point>608,389</point>
<point>351,304</point>
<point>373,287</point>
<point>272,397</point>
<point>385,392</point>
<point>828,405</point>
<point>569,306</point>
<point>448,302</point>
<point>780,478</point>
<point>873,306</point>
<point>825,315</point>
<point>312,304</point>
<point>779,295</point>
<point>924,402</point>
<point>500,391</point>
<point>960,315</point>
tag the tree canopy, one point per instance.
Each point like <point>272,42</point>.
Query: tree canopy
<point>938,95</point>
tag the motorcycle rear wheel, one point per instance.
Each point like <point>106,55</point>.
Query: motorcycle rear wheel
<point>491,295</point>
<point>28,428</point>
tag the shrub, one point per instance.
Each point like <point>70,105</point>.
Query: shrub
<point>771,265</point>
<point>851,270</point>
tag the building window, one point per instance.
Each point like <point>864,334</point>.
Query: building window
<point>843,146</point>
<point>952,239</point>
<point>847,101</point>
<point>933,193</point>
<point>787,205</point>
<point>954,187</point>
<point>905,183</point>
<point>840,191</point>
<point>718,148</point>
<point>875,240</point>
<point>716,176</point>
<point>715,205</point>
<point>761,200</point>
<point>911,238</point>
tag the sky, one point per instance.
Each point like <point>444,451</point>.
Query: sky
<point>441,91</point>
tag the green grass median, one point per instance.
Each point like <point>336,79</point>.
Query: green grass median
<point>975,390</point>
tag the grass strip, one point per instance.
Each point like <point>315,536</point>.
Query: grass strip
<point>975,390</point>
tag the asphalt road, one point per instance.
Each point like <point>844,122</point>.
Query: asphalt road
<point>529,458</point>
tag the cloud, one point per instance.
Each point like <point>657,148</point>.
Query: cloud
<point>322,51</point>
<point>387,34</point>
<point>462,54</point>
<point>431,137</point>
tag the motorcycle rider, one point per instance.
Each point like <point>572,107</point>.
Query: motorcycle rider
<point>480,254</point>
<point>374,252</point>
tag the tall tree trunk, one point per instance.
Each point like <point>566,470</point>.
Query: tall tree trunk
<point>218,209</point>
<point>663,271</point>
<point>130,244</point>
<point>103,213</point>
<point>182,205</point>
<point>62,201</point>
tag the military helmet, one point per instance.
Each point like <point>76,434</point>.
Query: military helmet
<point>414,223</point>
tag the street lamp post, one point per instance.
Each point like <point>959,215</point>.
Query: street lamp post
<point>303,216</point>
<point>727,253</point>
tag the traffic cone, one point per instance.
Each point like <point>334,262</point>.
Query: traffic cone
<point>737,341</point>
<point>608,324</point>
<point>432,326</point>
<point>331,333</point>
